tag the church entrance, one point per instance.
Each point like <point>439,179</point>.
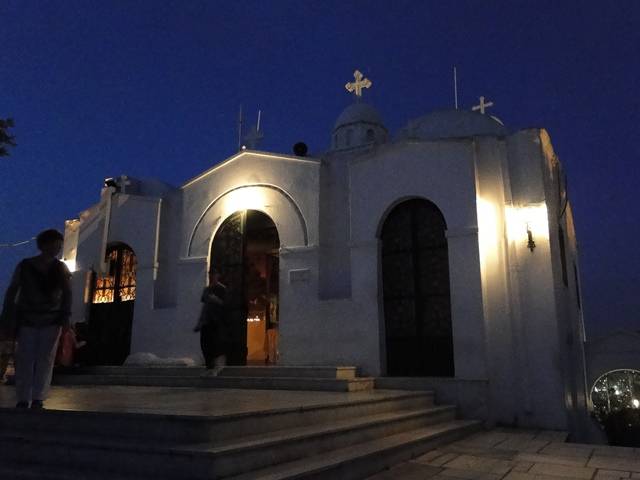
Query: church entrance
<point>245,252</point>
<point>113,294</point>
<point>415,286</point>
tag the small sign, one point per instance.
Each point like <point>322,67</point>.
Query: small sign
<point>300,275</point>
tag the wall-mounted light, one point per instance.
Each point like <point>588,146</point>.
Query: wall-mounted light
<point>527,219</point>
<point>531,244</point>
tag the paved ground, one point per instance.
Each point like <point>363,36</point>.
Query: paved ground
<point>185,401</point>
<point>519,455</point>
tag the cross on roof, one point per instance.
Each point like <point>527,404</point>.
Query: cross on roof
<point>359,83</point>
<point>123,182</point>
<point>482,106</point>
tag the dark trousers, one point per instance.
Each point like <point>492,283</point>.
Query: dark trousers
<point>208,344</point>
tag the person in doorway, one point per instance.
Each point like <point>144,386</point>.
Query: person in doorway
<point>37,304</point>
<point>67,347</point>
<point>212,325</point>
<point>7,345</point>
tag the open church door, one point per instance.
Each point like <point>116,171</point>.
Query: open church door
<point>245,252</point>
<point>415,284</point>
<point>227,254</point>
<point>111,311</point>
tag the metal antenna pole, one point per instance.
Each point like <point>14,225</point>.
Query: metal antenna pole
<point>240,128</point>
<point>455,86</point>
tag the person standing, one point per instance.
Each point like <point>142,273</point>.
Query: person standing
<point>38,303</point>
<point>212,325</point>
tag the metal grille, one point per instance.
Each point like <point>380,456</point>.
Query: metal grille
<point>416,294</point>
<point>119,283</point>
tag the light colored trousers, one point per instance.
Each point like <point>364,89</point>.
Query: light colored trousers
<point>35,354</point>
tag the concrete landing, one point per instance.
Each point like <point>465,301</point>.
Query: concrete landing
<point>187,401</point>
<point>329,379</point>
<point>172,433</point>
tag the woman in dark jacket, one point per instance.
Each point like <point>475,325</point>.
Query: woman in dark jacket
<point>212,325</point>
<point>38,303</point>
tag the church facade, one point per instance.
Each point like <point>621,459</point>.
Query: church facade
<point>446,252</point>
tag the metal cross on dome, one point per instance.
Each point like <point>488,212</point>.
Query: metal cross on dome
<point>482,106</point>
<point>123,182</point>
<point>359,83</point>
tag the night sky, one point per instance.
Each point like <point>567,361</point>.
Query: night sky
<point>152,89</point>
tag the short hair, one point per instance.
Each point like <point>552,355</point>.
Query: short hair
<point>48,236</point>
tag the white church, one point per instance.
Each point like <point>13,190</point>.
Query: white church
<point>445,251</point>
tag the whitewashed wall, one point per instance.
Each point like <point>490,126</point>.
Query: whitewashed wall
<point>442,172</point>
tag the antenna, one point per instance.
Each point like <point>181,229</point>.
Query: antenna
<point>258,124</point>
<point>240,128</point>
<point>455,86</point>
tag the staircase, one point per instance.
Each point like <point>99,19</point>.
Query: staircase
<point>330,379</point>
<point>353,438</point>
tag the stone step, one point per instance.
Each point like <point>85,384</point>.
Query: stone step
<point>133,370</point>
<point>364,459</point>
<point>18,471</point>
<point>221,381</point>
<point>204,461</point>
<point>177,429</point>
<point>231,371</point>
<point>293,371</point>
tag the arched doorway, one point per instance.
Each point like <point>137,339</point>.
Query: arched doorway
<point>245,252</point>
<point>415,291</point>
<point>113,296</point>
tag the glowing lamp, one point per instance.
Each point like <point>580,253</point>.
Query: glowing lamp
<point>71,264</point>
<point>527,223</point>
<point>245,198</point>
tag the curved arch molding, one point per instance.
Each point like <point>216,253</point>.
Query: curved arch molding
<point>270,199</point>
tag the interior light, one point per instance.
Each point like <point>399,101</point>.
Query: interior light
<point>71,264</point>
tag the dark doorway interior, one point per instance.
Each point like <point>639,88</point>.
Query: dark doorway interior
<point>415,283</point>
<point>245,251</point>
<point>113,294</point>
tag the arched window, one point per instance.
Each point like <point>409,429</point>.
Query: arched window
<point>615,391</point>
<point>371,136</point>
<point>348,137</point>
<point>118,284</point>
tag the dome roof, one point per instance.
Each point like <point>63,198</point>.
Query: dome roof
<point>451,124</point>
<point>358,113</point>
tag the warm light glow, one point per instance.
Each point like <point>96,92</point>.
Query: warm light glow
<point>523,218</point>
<point>71,264</point>
<point>487,230</point>
<point>248,198</point>
<point>636,403</point>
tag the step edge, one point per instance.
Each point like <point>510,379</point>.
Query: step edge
<point>328,462</point>
<point>238,447</point>
<point>10,411</point>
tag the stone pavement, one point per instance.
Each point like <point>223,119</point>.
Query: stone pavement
<point>513,454</point>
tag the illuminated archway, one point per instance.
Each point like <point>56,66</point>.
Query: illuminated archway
<point>245,251</point>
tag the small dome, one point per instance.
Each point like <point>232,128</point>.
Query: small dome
<point>451,124</point>
<point>358,113</point>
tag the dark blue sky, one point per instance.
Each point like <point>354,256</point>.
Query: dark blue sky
<point>152,89</point>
